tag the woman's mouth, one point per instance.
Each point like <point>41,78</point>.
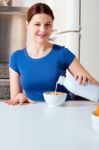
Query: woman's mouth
<point>41,35</point>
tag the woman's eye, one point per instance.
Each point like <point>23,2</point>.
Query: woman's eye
<point>48,24</point>
<point>37,24</point>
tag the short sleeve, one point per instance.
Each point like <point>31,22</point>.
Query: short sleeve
<point>13,62</point>
<point>66,57</point>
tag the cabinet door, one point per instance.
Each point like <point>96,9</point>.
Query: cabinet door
<point>89,44</point>
<point>67,24</point>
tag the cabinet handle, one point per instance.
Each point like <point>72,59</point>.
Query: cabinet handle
<point>67,31</point>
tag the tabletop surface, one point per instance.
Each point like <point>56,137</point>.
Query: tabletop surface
<point>38,127</point>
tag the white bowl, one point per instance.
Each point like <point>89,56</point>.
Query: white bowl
<point>53,99</point>
<point>95,121</point>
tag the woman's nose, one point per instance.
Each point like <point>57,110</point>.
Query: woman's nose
<point>42,28</point>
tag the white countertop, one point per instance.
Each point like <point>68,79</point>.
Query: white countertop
<point>38,127</point>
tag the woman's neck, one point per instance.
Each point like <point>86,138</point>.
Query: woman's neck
<point>37,50</point>
<point>33,46</point>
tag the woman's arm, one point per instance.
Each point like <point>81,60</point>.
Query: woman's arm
<point>16,92</point>
<point>80,73</point>
<point>15,87</point>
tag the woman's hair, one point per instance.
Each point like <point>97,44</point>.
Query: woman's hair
<point>39,8</point>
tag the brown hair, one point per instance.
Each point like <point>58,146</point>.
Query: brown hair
<point>39,8</point>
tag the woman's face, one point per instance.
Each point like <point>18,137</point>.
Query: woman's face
<point>40,27</point>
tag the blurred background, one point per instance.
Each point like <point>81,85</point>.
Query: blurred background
<point>75,26</point>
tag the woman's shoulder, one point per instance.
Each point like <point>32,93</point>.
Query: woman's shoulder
<point>60,48</point>
<point>18,52</point>
<point>63,51</point>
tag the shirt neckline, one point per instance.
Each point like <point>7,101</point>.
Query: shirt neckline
<point>41,58</point>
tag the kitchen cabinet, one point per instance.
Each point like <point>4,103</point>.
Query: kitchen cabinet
<point>89,45</point>
<point>67,24</point>
<point>84,44</point>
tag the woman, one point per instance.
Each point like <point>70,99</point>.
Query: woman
<point>36,68</point>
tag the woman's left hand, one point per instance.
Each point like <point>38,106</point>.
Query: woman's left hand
<point>85,78</point>
<point>81,74</point>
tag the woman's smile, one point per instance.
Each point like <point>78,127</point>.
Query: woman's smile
<point>41,35</point>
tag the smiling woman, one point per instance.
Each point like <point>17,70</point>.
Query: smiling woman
<point>36,68</point>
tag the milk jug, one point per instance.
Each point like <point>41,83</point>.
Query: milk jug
<point>88,91</point>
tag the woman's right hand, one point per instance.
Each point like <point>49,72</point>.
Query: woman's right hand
<point>19,99</point>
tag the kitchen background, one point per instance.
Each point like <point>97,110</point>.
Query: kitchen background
<point>76,27</point>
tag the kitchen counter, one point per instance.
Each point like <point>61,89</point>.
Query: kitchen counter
<point>38,127</point>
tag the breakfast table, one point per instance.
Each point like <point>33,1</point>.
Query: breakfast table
<point>39,127</point>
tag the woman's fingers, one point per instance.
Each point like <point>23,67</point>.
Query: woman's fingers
<point>7,101</point>
<point>78,78</point>
<point>20,99</point>
<point>83,79</point>
<point>12,102</point>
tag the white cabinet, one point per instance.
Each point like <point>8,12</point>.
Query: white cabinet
<point>67,23</point>
<point>89,45</point>
<point>87,48</point>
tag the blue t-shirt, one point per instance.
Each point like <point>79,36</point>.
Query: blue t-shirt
<point>41,74</point>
